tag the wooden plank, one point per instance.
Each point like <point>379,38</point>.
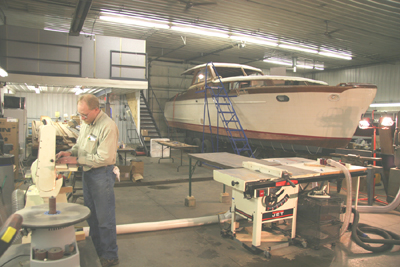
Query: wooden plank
<point>66,189</point>
<point>67,132</point>
<point>176,144</point>
<point>265,236</point>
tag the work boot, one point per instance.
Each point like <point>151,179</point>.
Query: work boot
<point>106,262</point>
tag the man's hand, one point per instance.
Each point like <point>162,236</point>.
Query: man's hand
<point>67,160</point>
<point>63,154</point>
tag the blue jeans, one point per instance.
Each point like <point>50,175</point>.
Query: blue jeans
<point>98,193</point>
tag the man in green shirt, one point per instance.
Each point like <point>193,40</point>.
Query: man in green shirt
<point>96,151</point>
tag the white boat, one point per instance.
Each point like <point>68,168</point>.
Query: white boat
<point>274,109</point>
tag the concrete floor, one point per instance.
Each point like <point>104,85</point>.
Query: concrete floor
<point>203,245</point>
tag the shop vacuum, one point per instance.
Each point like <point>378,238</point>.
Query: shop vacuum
<point>319,219</point>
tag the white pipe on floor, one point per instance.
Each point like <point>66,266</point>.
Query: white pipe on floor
<point>163,225</point>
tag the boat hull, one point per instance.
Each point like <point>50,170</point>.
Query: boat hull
<point>324,118</point>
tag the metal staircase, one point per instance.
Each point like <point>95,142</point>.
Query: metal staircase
<point>132,133</point>
<point>147,122</point>
<point>227,114</point>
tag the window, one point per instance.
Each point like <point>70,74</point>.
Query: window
<point>282,98</point>
<point>200,76</point>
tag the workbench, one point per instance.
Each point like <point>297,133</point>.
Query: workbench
<point>125,151</point>
<point>174,145</point>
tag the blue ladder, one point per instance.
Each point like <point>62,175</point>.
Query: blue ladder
<point>226,112</point>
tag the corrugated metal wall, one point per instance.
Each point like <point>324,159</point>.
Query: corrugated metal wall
<point>165,81</point>
<point>47,104</point>
<point>385,76</point>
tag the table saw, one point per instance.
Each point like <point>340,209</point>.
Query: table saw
<point>264,193</point>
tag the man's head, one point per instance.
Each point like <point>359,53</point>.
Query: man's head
<point>88,108</point>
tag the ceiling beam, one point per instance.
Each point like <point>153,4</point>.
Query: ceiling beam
<point>173,50</point>
<point>81,11</point>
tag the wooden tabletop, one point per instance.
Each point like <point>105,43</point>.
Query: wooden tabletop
<point>176,144</point>
<point>126,149</point>
<point>227,160</point>
<point>297,167</point>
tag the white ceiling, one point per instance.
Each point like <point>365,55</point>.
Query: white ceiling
<point>369,30</point>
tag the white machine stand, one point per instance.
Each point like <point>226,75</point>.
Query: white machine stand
<point>257,197</point>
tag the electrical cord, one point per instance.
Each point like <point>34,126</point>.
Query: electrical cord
<point>22,255</point>
<point>359,236</point>
<point>26,191</point>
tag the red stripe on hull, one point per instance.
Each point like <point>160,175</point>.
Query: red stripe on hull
<point>318,141</point>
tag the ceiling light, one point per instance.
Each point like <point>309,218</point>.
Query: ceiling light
<point>3,73</point>
<point>202,31</point>
<point>30,87</point>
<point>253,40</point>
<point>77,89</point>
<point>335,54</point>
<point>37,90</point>
<point>298,48</point>
<point>305,66</point>
<point>279,62</point>
<point>136,21</point>
<point>382,105</point>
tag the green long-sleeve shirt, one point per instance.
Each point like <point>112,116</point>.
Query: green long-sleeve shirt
<point>97,143</point>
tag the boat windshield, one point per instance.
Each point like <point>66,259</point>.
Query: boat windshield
<point>226,72</point>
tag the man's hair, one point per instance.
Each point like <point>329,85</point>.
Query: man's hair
<point>91,101</point>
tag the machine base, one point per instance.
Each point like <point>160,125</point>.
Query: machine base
<point>19,255</point>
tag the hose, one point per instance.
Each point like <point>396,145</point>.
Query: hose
<point>381,209</point>
<point>18,200</point>
<point>359,236</point>
<point>347,215</point>
<point>18,203</point>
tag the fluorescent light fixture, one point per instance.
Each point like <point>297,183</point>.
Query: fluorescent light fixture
<point>298,48</point>
<point>136,21</point>
<point>279,62</point>
<point>77,89</point>
<point>334,54</point>
<point>30,87</point>
<point>33,88</point>
<point>55,30</point>
<point>202,31</point>
<point>383,105</point>
<point>254,40</point>
<point>305,66</point>
<point>3,73</point>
